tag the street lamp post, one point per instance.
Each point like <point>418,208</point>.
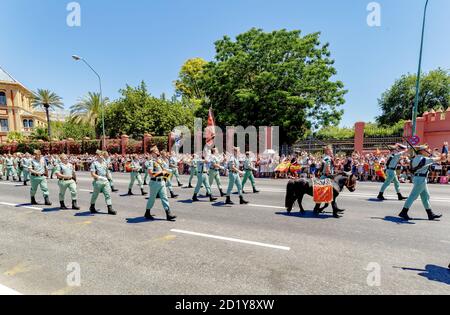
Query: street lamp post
<point>78,58</point>
<point>416,100</point>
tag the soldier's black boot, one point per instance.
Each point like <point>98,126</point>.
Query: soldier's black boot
<point>432,216</point>
<point>130,193</point>
<point>400,197</point>
<point>242,201</point>
<point>228,201</point>
<point>111,211</point>
<point>190,186</point>
<point>222,194</point>
<point>172,195</point>
<point>47,201</point>
<point>169,216</point>
<point>211,198</point>
<point>255,191</point>
<point>20,179</point>
<point>33,201</point>
<point>25,183</point>
<point>143,192</point>
<point>62,205</point>
<point>180,184</point>
<point>195,198</point>
<point>93,210</point>
<point>75,205</point>
<point>113,189</point>
<point>148,215</point>
<point>381,196</point>
<point>404,214</point>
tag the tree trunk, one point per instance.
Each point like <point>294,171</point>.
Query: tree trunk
<point>49,129</point>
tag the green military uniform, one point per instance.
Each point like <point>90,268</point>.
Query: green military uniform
<point>165,165</point>
<point>233,177</point>
<point>248,174</point>
<point>192,171</point>
<point>214,173</point>
<point>135,175</point>
<point>102,184</point>
<point>110,178</point>
<point>38,180</point>
<point>26,173</point>
<point>157,188</point>
<point>64,184</point>
<point>173,164</point>
<point>10,170</point>
<point>202,179</point>
<point>391,172</point>
<point>146,168</point>
<point>55,163</point>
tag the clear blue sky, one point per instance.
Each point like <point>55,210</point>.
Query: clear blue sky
<point>134,40</point>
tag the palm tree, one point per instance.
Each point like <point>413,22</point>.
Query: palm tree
<point>88,110</point>
<point>48,101</point>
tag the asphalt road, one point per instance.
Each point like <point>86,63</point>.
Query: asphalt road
<point>217,249</point>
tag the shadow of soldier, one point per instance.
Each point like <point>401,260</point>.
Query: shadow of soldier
<point>433,273</point>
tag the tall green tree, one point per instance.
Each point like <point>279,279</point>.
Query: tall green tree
<point>89,110</point>
<point>279,78</point>
<point>397,102</point>
<point>189,79</point>
<point>48,101</point>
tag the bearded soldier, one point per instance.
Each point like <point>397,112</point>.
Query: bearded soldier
<point>157,186</point>
<point>420,166</point>
<point>67,180</point>
<point>39,172</point>
<point>248,173</point>
<point>391,165</point>
<point>214,170</point>
<point>202,179</point>
<point>99,172</point>
<point>233,178</point>
<point>135,175</point>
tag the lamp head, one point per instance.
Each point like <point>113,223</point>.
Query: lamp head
<point>76,58</point>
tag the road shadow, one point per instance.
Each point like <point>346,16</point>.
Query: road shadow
<point>432,273</point>
<point>395,220</point>
<point>26,205</point>
<point>375,200</point>
<point>49,210</point>
<point>221,204</point>
<point>140,220</point>
<point>89,214</point>
<point>307,215</point>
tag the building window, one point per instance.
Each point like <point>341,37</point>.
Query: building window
<point>28,123</point>
<point>4,126</point>
<point>2,98</point>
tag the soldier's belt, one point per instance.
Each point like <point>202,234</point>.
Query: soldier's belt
<point>157,179</point>
<point>421,175</point>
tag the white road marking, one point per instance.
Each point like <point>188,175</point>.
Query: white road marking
<point>86,190</point>
<point>266,206</point>
<point>19,206</point>
<point>235,240</point>
<point>446,242</point>
<point>7,291</point>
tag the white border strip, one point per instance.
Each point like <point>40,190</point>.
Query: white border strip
<point>19,206</point>
<point>235,240</point>
<point>7,291</point>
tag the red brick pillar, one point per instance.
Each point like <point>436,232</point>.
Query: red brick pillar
<point>124,144</point>
<point>359,136</point>
<point>147,141</point>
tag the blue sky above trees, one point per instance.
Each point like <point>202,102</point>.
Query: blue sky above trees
<point>130,41</point>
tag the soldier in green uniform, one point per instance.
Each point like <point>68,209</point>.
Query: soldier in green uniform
<point>135,175</point>
<point>157,186</point>
<point>146,167</point>
<point>327,169</point>
<point>233,178</point>
<point>391,171</point>
<point>420,166</point>
<point>2,166</point>
<point>202,179</point>
<point>108,161</point>
<point>38,171</point>
<point>26,161</point>
<point>192,169</point>
<point>18,165</point>
<point>248,173</point>
<point>65,172</point>
<point>10,169</point>
<point>214,170</point>
<point>54,162</point>
<point>99,172</point>
<point>165,164</point>
<point>173,165</point>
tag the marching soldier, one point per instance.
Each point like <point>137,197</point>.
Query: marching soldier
<point>39,172</point>
<point>173,165</point>
<point>157,186</point>
<point>67,180</point>
<point>233,178</point>
<point>214,170</point>
<point>192,169</point>
<point>10,170</point>
<point>391,171</point>
<point>327,169</point>
<point>146,167</point>
<point>202,179</point>
<point>165,164</point>
<point>248,173</point>
<point>99,172</point>
<point>2,168</point>
<point>54,162</point>
<point>136,169</point>
<point>420,166</point>
<point>18,165</point>
<point>26,160</point>
<point>107,159</point>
